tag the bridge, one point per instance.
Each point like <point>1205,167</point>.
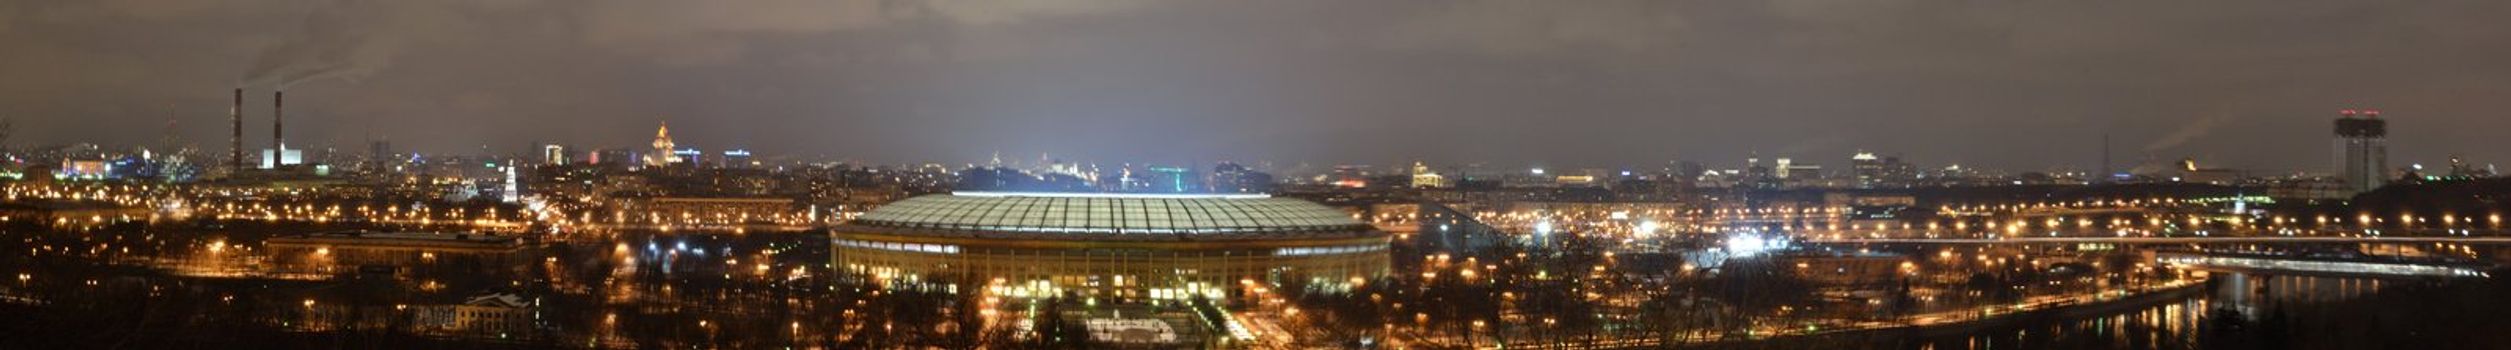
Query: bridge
<point>2320,266</point>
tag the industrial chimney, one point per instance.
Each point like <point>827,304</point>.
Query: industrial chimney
<point>278,126</point>
<point>235,115</point>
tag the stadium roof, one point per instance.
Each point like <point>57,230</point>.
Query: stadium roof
<point>1100,214</point>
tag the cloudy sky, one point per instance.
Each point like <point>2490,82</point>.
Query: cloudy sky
<point>2029,85</point>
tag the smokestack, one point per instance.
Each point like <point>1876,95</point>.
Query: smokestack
<point>2104,176</point>
<point>278,124</point>
<point>235,115</point>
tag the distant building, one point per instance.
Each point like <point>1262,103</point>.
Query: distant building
<point>1880,207</point>
<point>663,154</point>
<point>85,169</point>
<point>2460,169</point>
<point>1422,177</point>
<point>492,316</point>
<point>1802,174</point>
<point>688,156</point>
<point>737,158</point>
<point>1230,177</point>
<point>1867,168</point>
<point>70,212</point>
<point>552,154</point>
<point>735,210</point>
<point>1871,171</point>
<point>1758,176</point>
<point>1351,176</point>
<point>615,157</point>
<point>342,252</point>
<point>1582,177</point>
<point>380,151</point>
<point>2362,149</point>
<point>1169,180</point>
<point>272,159</point>
<point>2310,189</point>
<point>2189,171</point>
<point>1689,170</point>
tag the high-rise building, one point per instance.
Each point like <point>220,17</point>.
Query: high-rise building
<point>663,148</point>
<point>1873,171</point>
<point>2362,149</point>
<point>1868,169</point>
<point>553,154</point>
<point>1757,175</point>
<point>379,150</point>
<point>1897,173</point>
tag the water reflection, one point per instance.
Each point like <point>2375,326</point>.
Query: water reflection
<point>2180,323</point>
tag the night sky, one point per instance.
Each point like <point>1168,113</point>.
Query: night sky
<point>2023,85</point>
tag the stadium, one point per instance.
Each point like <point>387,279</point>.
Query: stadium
<point>1103,245</point>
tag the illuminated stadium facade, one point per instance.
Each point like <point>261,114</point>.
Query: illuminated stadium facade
<point>1161,247</point>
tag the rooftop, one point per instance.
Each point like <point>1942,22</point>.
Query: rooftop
<point>1149,215</point>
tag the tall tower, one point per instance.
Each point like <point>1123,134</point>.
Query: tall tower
<point>663,147</point>
<point>235,115</point>
<point>2362,147</point>
<point>278,122</point>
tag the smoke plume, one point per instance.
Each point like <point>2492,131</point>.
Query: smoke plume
<point>340,39</point>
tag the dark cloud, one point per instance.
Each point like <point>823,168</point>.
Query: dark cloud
<point>2018,84</point>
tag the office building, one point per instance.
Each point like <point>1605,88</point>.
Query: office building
<point>2362,149</point>
<point>553,154</point>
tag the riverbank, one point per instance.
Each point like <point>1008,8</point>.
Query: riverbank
<point>2099,308</point>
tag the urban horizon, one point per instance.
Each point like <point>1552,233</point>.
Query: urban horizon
<point>1296,174</point>
<point>539,152</point>
<point>2004,86</point>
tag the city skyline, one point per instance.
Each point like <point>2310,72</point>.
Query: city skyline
<point>1290,174</point>
<point>1607,84</point>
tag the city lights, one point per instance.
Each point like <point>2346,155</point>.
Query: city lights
<point>1553,175</point>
